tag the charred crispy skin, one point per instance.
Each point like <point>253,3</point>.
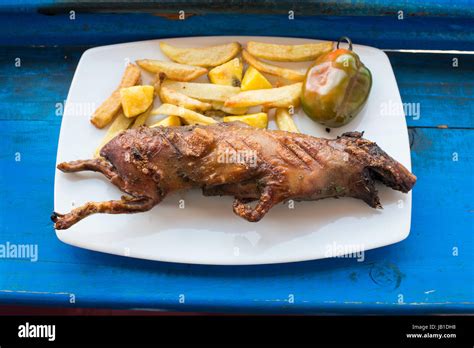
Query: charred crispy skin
<point>234,159</point>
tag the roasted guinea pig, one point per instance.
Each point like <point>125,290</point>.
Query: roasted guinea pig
<point>234,159</point>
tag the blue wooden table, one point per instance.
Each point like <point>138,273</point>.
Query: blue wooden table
<point>430,272</point>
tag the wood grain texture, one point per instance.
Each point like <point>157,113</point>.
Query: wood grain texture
<point>441,8</point>
<point>443,91</point>
<point>413,32</point>
<point>422,268</point>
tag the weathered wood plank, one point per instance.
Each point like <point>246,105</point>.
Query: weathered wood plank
<point>439,86</point>
<point>98,29</point>
<point>441,8</point>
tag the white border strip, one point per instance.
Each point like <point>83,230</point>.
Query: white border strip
<point>430,51</point>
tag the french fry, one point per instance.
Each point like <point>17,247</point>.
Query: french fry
<point>170,121</point>
<point>229,74</point>
<point>170,96</point>
<point>136,99</point>
<point>189,116</point>
<point>120,123</point>
<point>202,91</point>
<point>157,81</point>
<point>254,79</point>
<point>284,121</point>
<point>273,97</point>
<point>233,111</point>
<point>111,106</point>
<point>289,74</point>
<point>141,119</point>
<point>205,57</point>
<point>288,53</point>
<point>259,120</point>
<point>291,100</point>
<point>174,71</point>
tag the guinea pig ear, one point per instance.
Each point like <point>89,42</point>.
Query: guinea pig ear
<point>393,175</point>
<point>365,189</point>
<point>380,165</point>
<point>385,169</point>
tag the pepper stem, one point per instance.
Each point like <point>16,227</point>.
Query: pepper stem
<point>345,38</point>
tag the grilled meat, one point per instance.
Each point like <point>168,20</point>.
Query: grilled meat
<point>237,160</point>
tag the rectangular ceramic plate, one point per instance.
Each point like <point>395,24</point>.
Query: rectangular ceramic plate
<point>190,228</point>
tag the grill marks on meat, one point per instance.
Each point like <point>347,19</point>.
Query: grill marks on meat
<point>149,163</point>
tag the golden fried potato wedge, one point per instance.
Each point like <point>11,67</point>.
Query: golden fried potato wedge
<point>173,71</point>
<point>288,53</point>
<point>141,119</point>
<point>136,99</point>
<point>189,116</point>
<point>285,121</point>
<point>229,74</point>
<point>170,96</point>
<point>120,123</point>
<point>170,121</point>
<point>205,57</point>
<point>292,100</point>
<point>253,79</point>
<point>233,111</point>
<point>273,97</point>
<point>259,120</point>
<point>157,81</point>
<point>289,74</point>
<point>202,91</point>
<point>111,106</point>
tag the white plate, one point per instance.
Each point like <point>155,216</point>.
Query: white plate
<point>206,231</point>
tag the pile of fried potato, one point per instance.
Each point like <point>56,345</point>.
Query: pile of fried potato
<point>228,96</point>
